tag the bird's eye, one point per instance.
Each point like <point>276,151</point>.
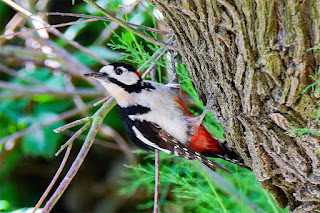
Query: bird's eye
<point>118,71</point>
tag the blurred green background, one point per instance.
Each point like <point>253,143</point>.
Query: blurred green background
<point>42,88</point>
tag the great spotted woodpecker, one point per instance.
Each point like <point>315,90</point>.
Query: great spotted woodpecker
<point>155,117</point>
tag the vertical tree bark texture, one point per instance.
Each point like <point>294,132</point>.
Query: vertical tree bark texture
<point>252,55</point>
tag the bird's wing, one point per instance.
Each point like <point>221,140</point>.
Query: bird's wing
<point>155,137</point>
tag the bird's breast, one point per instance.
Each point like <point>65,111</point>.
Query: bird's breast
<point>164,111</point>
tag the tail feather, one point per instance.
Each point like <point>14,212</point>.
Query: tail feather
<point>227,154</point>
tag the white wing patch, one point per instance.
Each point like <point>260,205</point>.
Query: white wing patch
<point>146,141</point>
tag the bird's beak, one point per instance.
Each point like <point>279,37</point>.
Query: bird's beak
<point>96,75</point>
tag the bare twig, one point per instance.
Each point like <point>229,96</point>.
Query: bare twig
<point>150,59</point>
<point>175,79</point>
<point>102,100</point>
<point>72,124</point>
<point>135,31</point>
<point>75,136</point>
<point>107,144</point>
<point>49,27</point>
<point>14,73</point>
<point>54,179</point>
<point>108,131</point>
<point>36,61</point>
<point>41,90</point>
<point>157,182</point>
<point>162,23</point>
<point>154,63</point>
<point>103,19</point>
<point>39,21</point>
<point>35,127</point>
<point>96,122</point>
<point>77,98</point>
<point>78,46</point>
<point>103,143</point>
<point>130,5</point>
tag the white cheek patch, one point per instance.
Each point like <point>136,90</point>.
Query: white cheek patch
<point>146,141</point>
<point>127,78</point>
<point>107,69</point>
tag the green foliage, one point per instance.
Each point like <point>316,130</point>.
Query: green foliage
<point>4,204</point>
<point>186,187</point>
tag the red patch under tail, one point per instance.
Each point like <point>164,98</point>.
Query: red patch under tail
<point>201,141</point>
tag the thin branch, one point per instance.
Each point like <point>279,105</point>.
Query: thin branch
<point>154,63</point>
<point>15,74</point>
<point>102,101</point>
<point>108,131</point>
<point>49,27</point>
<point>159,21</point>
<point>36,61</point>
<point>75,136</point>
<point>104,19</point>
<point>41,90</point>
<point>78,46</point>
<point>54,179</point>
<point>38,20</point>
<point>130,5</point>
<point>103,143</point>
<point>96,123</point>
<point>175,79</point>
<point>157,182</point>
<point>131,29</point>
<point>72,124</point>
<point>107,144</point>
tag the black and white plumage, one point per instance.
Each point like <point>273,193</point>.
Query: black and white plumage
<point>153,115</point>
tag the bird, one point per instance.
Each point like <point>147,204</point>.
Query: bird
<point>156,118</point>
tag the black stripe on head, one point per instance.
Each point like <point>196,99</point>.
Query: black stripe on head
<point>137,88</point>
<point>127,66</point>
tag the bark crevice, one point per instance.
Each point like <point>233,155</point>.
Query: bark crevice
<point>252,56</point>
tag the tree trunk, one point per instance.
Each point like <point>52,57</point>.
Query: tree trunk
<point>252,56</point>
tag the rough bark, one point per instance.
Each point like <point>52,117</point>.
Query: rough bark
<point>252,55</point>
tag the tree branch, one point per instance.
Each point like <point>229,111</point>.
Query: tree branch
<point>157,182</point>
<point>104,19</point>
<point>126,26</point>
<point>26,90</point>
<point>96,123</point>
<point>54,179</point>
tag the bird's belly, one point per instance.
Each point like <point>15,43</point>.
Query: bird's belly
<point>175,124</point>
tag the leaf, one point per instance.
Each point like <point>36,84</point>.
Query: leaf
<point>40,74</point>
<point>4,204</point>
<point>314,48</point>
<point>42,142</point>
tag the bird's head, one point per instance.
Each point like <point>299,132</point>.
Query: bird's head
<point>120,80</point>
<point>117,73</point>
